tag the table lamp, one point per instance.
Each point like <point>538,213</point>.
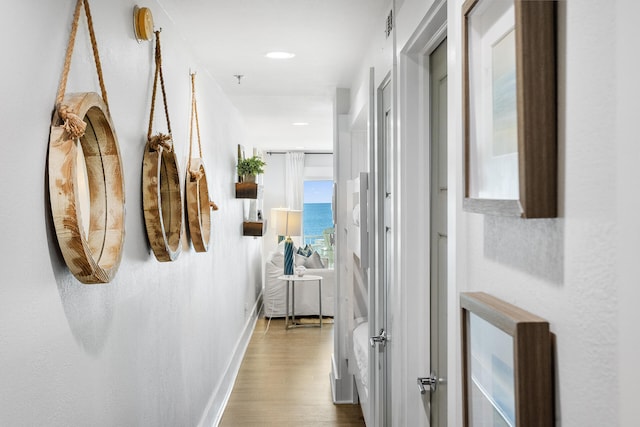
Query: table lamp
<point>277,215</point>
<point>288,223</point>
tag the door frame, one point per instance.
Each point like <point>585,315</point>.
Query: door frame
<point>438,285</point>
<point>413,205</point>
<point>379,309</point>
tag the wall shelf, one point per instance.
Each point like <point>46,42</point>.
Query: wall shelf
<point>254,228</point>
<point>248,190</point>
<point>253,223</point>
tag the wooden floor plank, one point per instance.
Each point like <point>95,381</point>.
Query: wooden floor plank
<point>284,380</point>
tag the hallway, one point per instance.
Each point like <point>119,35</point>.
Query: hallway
<point>284,380</point>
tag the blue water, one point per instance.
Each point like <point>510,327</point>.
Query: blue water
<point>316,218</point>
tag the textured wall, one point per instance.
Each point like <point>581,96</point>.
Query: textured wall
<point>562,269</point>
<point>628,153</point>
<point>151,347</point>
<point>579,271</point>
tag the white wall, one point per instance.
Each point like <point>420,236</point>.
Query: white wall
<point>562,269</point>
<point>274,197</point>
<point>151,347</point>
<point>577,271</point>
<point>628,204</point>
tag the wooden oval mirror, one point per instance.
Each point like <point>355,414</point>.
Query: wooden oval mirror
<point>162,201</point>
<point>92,252</point>
<point>198,206</point>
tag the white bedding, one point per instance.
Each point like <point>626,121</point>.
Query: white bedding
<point>361,355</point>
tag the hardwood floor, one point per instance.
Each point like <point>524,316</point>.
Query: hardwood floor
<point>284,380</point>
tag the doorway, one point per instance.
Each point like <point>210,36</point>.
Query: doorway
<point>438,232</point>
<point>380,355</point>
<point>423,226</point>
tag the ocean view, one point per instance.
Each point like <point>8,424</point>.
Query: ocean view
<point>317,217</point>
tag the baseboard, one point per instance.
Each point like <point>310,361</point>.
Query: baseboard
<point>342,388</point>
<point>215,408</point>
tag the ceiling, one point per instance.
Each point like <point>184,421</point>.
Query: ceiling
<point>328,37</point>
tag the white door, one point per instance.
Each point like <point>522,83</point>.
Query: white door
<point>438,227</point>
<point>380,354</point>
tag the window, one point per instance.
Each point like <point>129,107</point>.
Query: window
<point>317,222</point>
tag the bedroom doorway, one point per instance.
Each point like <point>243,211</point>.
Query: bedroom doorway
<point>438,231</point>
<point>380,357</point>
<point>424,228</point>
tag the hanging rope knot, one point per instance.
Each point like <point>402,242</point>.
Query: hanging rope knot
<point>213,205</point>
<point>73,124</point>
<point>196,175</point>
<point>161,141</point>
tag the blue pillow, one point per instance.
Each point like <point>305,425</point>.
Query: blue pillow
<point>306,251</point>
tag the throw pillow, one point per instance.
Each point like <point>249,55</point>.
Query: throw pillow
<point>281,247</point>
<point>314,261</point>
<point>306,251</point>
<point>300,260</point>
<point>277,259</point>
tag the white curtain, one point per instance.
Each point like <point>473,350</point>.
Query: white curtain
<point>294,179</point>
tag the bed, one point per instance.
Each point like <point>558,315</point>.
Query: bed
<point>359,365</point>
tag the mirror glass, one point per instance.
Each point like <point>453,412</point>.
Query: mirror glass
<point>82,190</point>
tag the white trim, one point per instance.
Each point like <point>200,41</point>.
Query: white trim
<point>341,379</point>
<point>431,31</point>
<point>212,414</point>
<point>343,390</point>
<point>414,208</point>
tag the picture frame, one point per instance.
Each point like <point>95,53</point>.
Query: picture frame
<point>507,376</point>
<point>510,111</point>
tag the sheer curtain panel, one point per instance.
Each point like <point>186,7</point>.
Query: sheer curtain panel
<point>294,179</point>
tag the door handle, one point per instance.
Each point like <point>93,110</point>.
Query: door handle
<point>380,338</point>
<point>428,384</point>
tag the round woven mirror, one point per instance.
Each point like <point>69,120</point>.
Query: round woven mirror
<point>92,252</point>
<point>198,206</point>
<point>162,201</point>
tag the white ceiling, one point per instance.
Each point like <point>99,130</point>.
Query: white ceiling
<point>328,37</point>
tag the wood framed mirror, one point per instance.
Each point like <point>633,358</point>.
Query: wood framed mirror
<point>91,245</point>
<point>198,205</point>
<point>162,202</point>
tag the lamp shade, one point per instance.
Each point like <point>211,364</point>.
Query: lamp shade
<point>294,223</point>
<point>277,215</point>
<point>280,220</point>
<point>288,222</point>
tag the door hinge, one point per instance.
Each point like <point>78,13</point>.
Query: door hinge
<point>389,24</point>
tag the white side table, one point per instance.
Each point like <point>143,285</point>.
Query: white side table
<point>291,288</point>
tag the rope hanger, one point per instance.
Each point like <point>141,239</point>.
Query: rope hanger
<point>73,124</point>
<point>160,140</point>
<point>195,175</point>
<point>92,254</point>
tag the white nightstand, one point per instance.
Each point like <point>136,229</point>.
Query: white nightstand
<point>291,288</point>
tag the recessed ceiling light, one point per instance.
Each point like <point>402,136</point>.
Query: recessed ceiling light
<point>280,55</point>
<point>300,124</point>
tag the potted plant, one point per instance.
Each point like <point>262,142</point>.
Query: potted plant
<point>250,167</point>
